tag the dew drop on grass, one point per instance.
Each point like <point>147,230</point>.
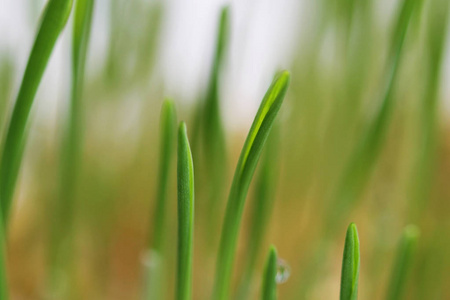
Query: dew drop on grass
<point>283,271</point>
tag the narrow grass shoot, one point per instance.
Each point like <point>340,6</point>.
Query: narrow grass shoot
<point>245,169</point>
<point>423,175</point>
<point>64,213</point>
<point>185,216</point>
<point>368,148</point>
<point>263,200</point>
<point>53,22</point>
<point>156,283</point>
<point>269,282</point>
<point>350,265</point>
<point>403,263</point>
<point>214,143</point>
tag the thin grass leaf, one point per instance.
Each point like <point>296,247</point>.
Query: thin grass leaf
<point>213,129</point>
<point>245,169</point>
<point>403,263</point>
<point>263,200</point>
<point>367,150</point>
<point>54,19</point>
<point>73,135</point>
<point>350,265</point>
<point>423,175</point>
<point>156,283</point>
<point>269,283</point>
<point>185,216</point>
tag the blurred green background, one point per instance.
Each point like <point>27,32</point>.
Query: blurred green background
<point>339,54</point>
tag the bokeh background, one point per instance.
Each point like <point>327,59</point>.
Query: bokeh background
<point>145,50</point>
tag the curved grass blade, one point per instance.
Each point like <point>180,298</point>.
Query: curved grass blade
<point>350,265</point>
<point>403,263</point>
<point>185,216</point>
<point>245,169</point>
<point>269,283</point>
<point>54,19</point>
<point>367,149</point>
<point>265,188</point>
<point>156,282</point>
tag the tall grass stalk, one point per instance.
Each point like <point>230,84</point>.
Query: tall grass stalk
<point>168,129</point>
<point>53,21</point>
<point>350,265</point>
<point>368,148</point>
<point>185,216</point>
<point>263,200</point>
<point>423,174</point>
<point>245,169</point>
<point>403,263</point>
<point>213,133</point>
<point>269,282</point>
<point>62,247</point>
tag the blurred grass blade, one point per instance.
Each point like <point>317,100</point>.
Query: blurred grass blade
<point>54,19</point>
<point>156,283</point>
<point>403,263</point>
<point>423,176</point>
<point>369,147</point>
<point>185,216</point>
<point>73,134</point>
<point>213,130</point>
<point>269,283</point>
<point>350,265</point>
<point>245,168</point>
<point>167,139</point>
<point>263,200</point>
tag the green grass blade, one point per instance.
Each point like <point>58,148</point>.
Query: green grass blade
<point>350,265</point>
<point>167,146</point>
<point>245,169</point>
<point>185,216</point>
<point>367,149</point>
<point>423,175</point>
<point>72,140</point>
<point>213,128</point>
<point>155,285</point>
<point>265,188</point>
<point>53,21</point>
<point>269,283</point>
<point>403,263</point>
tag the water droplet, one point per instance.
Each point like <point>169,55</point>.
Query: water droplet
<point>283,271</point>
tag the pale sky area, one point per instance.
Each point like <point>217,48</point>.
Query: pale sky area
<point>264,33</point>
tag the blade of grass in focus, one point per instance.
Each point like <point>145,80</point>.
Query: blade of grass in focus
<point>403,263</point>
<point>156,281</point>
<point>185,216</point>
<point>54,19</point>
<point>269,283</point>
<point>245,168</point>
<point>350,265</point>
<point>265,188</point>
